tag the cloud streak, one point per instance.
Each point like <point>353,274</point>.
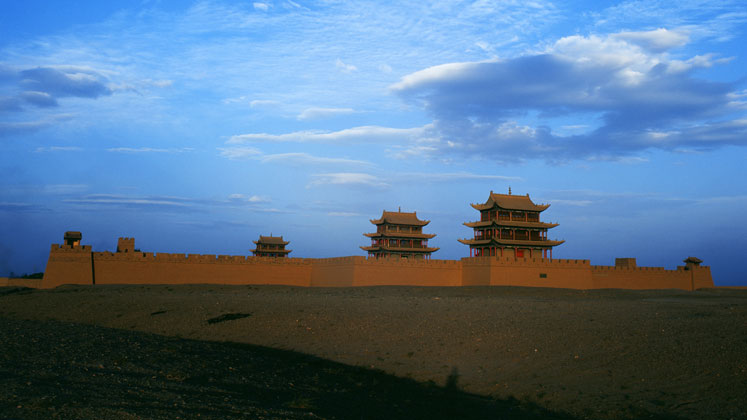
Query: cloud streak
<point>136,150</point>
<point>290,158</point>
<point>168,203</point>
<point>363,134</point>
<point>348,179</point>
<point>366,180</point>
<point>320,113</point>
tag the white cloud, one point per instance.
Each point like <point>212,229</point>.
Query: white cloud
<point>305,159</point>
<point>169,203</point>
<point>505,109</point>
<point>17,127</point>
<point>658,40</point>
<point>46,149</point>
<point>345,68</point>
<point>368,134</point>
<point>385,68</point>
<point>433,74</point>
<point>351,179</point>
<point>121,200</point>
<point>239,152</point>
<point>318,113</point>
<point>261,6</point>
<point>343,214</point>
<point>291,158</point>
<point>368,180</point>
<point>64,188</point>
<point>258,103</point>
<point>147,150</point>
<point>249,199</point>
<point>576,203</point>
<point>454,176</point>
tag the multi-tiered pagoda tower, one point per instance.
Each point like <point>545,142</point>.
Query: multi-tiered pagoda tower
<point>510,226</point>
<point>399,234</point>
<point>271,246</point>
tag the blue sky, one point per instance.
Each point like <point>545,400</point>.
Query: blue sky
<point>196,127</point>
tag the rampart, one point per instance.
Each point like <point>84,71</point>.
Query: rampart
<point>20,282</point>
<point>688,278</point>
<point>78,264</point>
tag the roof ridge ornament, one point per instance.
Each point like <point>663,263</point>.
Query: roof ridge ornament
<point>509,190</point>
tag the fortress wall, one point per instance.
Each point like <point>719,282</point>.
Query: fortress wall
<point>335,272</point>
<point>68,264</point>
<point>406,272</point>
<point>570,274</point>
<point>606,277</point>
<point>701,277</point>
<point>13,281</point>
<point>476,271</point>
<point>533,272</point>
<point>166,268</point>
<point>79,265</point>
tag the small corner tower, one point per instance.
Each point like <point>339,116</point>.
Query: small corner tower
<point>126,245</point>
<point>72,238</point>
<point>271,246</point>
<point>510,226</point>
<point>692,262</point>
<point>399,234</point>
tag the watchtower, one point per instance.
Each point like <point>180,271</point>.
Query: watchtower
<point>692,262</point>
<point>72,238</point>
<point>271,246</point>
<point>126,245</point>
<point>399,234</point>
<point>625,263</point>
<point>512,223</point>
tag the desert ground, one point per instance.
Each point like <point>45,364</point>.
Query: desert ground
<point>208,351</point>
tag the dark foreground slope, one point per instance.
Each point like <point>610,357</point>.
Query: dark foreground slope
<point>377,352</point>
<point>51,369</point>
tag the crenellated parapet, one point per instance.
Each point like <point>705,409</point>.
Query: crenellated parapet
<point>353,259</point>
<point>408,262</point>
<point>612,268</point>
<point>534,262</point>
<point>70,249</point>
<point>179,258</point>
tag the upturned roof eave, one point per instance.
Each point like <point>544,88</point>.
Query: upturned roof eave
<point>490,204</point>
<point>510,202</point>
<point>276,251</point>
<point>401,235</point>
<point>509,242</point>
<point>511,223</point>
<point>384,220</point>
<point>397,249</point>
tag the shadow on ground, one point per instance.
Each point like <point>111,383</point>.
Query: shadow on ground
<point>52,369</point>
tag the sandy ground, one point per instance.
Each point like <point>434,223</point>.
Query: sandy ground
<point>509,352</point>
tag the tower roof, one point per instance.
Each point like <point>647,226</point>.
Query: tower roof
<point>70,234</point>
<point>400,218</point>
<point>275,240</point>
<point>510,202</point>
